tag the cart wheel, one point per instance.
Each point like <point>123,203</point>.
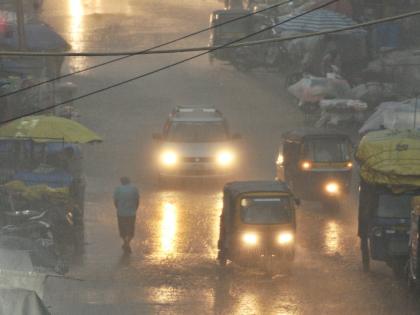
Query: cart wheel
<point>411,283</point>
<point>365,254</point>
<point>78,215</point>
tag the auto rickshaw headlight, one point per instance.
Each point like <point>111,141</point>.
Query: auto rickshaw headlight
<point>250,239</point>
<point>332,188</point>
<point>169,158</point>
<point>349,165</point>
<point>306,165</point>
<point>280,159</point>
<point>285,238</point>
<point>225,158</point>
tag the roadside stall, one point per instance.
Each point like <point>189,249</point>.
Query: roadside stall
<point>44,150</point>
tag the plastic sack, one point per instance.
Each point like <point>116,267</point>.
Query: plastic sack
<point>313,89</point>
<point>394,116</point>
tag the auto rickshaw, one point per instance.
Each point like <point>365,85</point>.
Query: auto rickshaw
<point>257,222</point>
<point>316,164</point>
<point>384,225</point>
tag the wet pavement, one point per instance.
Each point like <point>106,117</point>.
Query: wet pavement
<point>172,269</point>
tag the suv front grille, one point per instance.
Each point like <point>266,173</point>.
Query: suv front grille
<point>197,159</point>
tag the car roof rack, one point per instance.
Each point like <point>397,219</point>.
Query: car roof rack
<point>195,109</point>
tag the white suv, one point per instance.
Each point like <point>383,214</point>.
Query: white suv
<point>196,142</point>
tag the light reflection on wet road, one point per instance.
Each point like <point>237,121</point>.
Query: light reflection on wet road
<point>172,269</point>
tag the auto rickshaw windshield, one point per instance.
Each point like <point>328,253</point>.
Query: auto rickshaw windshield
<point>394,206</point>
<point>327,150</point>
<point>265,210</point>
<point>239,26</point>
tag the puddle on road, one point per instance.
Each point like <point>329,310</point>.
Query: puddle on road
<point>168,228</point>
<point>332,238</point>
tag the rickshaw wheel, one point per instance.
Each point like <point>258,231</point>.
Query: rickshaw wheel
<point>222,259</point>
<point>365,254</point>
<point>398,268</point>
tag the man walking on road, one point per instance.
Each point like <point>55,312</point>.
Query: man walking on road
<point>126,201</point>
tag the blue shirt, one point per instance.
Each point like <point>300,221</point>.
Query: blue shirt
<point>126,199</point>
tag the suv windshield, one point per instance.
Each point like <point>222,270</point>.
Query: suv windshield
<point>327,150</point>
<point>394,206</point>
<point>197,132</point>
<point>265,210</point>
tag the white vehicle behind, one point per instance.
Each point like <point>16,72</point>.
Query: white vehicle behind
<point>196,142</point>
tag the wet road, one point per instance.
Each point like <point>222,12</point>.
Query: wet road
<point>173,268</point>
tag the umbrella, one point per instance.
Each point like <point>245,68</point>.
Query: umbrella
<point>48,129</point>
<point>317,21</point>
<point>39,37</point>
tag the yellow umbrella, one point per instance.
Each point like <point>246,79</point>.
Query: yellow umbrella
<point>48,129</point>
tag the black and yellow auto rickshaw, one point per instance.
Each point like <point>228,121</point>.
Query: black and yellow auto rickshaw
<point>257,222</point>
<point>316,164</point>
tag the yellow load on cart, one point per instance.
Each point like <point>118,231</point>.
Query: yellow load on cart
<point>390,157</point>
<point>38,192</point>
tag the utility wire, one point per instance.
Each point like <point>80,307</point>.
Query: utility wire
<point>208,48</point>
<point>124,55</point>
<point>211,48</point>
<point>165,67</point>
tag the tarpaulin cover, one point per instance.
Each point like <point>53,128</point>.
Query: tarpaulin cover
<point>390,158</point>
<point>21,302</point>
<point>34,281</point>
<point>43,128</point>
<point>394,115</point>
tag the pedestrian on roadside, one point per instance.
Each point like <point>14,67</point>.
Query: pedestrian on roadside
<point>126,201</point>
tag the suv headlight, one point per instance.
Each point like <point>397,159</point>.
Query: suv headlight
<point>225,158</point>
<point>169,158</point>
<point>285,238</point>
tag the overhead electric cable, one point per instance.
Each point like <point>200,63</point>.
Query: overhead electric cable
<point>167,66</point>
<point>211,48</point>
<point>122,56</point>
